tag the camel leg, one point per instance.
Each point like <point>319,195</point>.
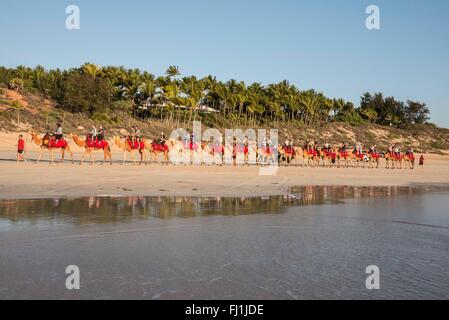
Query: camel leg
<point>82,157</point>
<point>133,158</point>
<point>40,156</point>
<point>124,157</point>
<point>91,158</point>
<point>71,154</point>
<point>108,155</point>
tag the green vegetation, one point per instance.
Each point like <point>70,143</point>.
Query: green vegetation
<point>99,92</point>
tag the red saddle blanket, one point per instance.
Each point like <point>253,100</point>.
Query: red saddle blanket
<point>135,145</point>
<point>159,147</point>
<point>374,155</point>
<point>103,144</point>
<point>217,148</point>
<point>312,152</point>
<point>52,143</point>
<point>289,150</point>
<point>240,148</point>
<point>344,154</point>
<point>410,156</point>
<point>330,154</point>
<point>360,155</point>
<point>190,146</point>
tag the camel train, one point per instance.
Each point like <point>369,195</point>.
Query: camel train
<point>211,153</point>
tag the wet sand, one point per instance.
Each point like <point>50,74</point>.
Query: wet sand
<point>307,252</point>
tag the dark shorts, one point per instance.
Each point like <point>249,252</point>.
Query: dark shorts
<point>20,151</point>
<point>58,136</point>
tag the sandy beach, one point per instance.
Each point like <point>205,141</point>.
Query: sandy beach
<point>30,180</point>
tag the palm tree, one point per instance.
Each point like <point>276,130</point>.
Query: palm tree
<point>173,72</point>
<point>91,69</point>
<point>15,105</point>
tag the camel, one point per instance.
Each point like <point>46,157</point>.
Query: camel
<point>177,151</point>
<point>374,159</point>
<point>343,155</point>
<point>155,149</point>
<point>217,152</point>
<point>265,155</point>
<point>356,158</point>
<point>310,157</point>
<point>207,153</point>
<point>47,143</point>
<point>286,154</point>
<point>409,160</point>
<point>328,157</point>
<point>393,161</point>
<point>126,148</point>
<point>89,149</point>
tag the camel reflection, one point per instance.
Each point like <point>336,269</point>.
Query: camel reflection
<point>118,209</point>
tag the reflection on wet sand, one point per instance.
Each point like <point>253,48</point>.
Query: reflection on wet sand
<point>116,209</point>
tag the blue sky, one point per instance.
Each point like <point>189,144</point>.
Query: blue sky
<point>321,44</point>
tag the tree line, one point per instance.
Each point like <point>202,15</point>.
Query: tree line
<point>98,91</point>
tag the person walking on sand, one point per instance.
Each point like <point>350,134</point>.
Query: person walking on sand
<point>421,161</point>
<point>20,149</point>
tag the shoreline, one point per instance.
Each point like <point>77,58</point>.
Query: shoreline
<point>26,181</point>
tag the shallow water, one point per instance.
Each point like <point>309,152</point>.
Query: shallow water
<point>313,243</point>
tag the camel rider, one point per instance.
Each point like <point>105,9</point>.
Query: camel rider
<point>306,145</point>
<point>100,134</point>
<point>358,148</point>
<point>327,146</point>
<point>162,139</point>
<point>343,147</point>
<point>93,133</point>
<point>58,132</point>
<point>138,133</point>
<point>309,145</point>
<point>267,143</point>
<point>397,151</point>
<point>132,132</point>
<point>185,137</point>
